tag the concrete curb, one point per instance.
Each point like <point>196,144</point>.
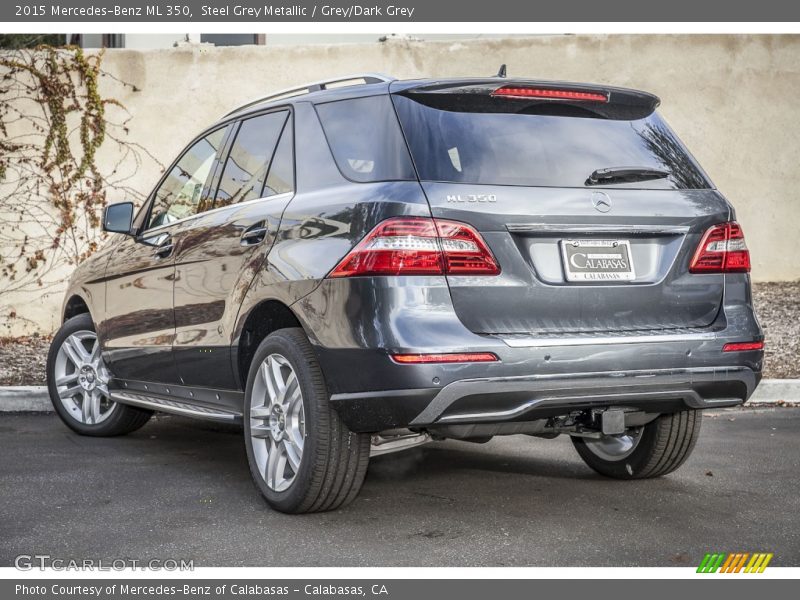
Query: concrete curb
<point>25,398</point>
<point>34,398</point>
<point>771,391</point>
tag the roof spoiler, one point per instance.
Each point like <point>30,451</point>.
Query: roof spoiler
<point>531,97</point>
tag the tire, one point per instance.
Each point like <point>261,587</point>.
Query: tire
<point>660,448</point>
<point>86,411</point>
<point>332,459</point>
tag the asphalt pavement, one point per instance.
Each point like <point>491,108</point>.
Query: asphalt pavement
<point>181,489</point>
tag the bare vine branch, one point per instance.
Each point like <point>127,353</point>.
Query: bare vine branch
<point>54,121</point>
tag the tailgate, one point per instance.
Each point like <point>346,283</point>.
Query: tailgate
<point>526,229</point>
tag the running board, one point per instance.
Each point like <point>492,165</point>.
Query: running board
<point>173,406</point>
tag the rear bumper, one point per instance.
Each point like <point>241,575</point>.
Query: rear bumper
<point>527,398</point>
<point>534,378</point>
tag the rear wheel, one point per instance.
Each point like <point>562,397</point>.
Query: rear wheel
<point>652,450</point>
<point>302,457</point>
<point>77,380</point>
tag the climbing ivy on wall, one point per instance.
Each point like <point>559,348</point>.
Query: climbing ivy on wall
<point>64,152</point>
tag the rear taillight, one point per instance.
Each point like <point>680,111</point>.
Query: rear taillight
<point>722,250</point>
<point>524,93</point>
<point>419,246</point>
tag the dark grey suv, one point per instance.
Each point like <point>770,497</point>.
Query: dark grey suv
<point>362,265</point>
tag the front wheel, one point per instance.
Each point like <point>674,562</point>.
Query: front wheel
<point>652,450</point>
<point>302,457</point>
<point>77,380</point>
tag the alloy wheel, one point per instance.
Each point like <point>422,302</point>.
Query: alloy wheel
<point>81,379</point>
<point>277,422</point>
<point>615,447</point>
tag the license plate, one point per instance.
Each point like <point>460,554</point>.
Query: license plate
<point>597,260</point>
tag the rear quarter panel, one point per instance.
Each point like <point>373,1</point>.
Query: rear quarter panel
<point>327,216</point>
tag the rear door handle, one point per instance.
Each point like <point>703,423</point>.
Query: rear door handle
<point>255,234</point>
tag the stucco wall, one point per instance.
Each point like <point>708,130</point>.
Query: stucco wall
<point>732,99</point>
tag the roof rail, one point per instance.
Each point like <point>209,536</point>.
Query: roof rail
<point>363,78</point>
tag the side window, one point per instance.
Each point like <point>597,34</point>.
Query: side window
<point>246,169</point>
<point>180,195</point>
<point>280,179</point>
<point>365,138</point>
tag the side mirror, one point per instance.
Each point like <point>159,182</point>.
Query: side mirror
<point>118,218</point>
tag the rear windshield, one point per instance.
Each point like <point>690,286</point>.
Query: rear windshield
<point>541,150</point>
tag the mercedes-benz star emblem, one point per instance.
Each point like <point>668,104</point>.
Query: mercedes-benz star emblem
<point>601,201</point>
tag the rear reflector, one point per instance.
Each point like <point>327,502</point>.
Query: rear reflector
<point>524,93</point>
<point>743,346</point>
<point>419,246</point>
<point>408,359</point>
<point>722,250</point>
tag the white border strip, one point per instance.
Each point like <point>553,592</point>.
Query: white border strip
<point>512,28</point>
<point>385,573</point>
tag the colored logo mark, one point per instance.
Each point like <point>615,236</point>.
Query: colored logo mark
<point>734,562</point>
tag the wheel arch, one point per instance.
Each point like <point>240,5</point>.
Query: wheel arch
<point>262,319</point>
<point>74,306</point>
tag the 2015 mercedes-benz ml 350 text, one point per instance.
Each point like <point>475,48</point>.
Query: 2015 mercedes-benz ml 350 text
<point>361,265</point>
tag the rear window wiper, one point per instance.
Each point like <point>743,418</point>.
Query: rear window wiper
<point>625,174</point>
